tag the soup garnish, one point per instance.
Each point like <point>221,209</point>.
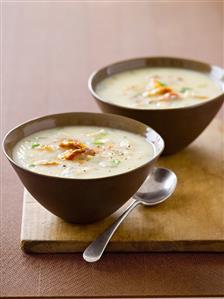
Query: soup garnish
<point>82,151</point>
<point>157,88</point>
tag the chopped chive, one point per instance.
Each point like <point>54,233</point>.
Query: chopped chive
<point>101,135</point>
<point>184,89</point>
<point>32,165</point>
<point>162,83</point>
<point>35,145</point>
<point>98,142</point>
<point>115,162</point>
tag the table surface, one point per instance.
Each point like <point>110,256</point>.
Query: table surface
<point>49,48</point>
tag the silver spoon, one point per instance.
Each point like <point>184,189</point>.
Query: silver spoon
<point>156,189</point>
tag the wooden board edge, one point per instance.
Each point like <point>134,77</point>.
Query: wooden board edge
<point>30,246</point>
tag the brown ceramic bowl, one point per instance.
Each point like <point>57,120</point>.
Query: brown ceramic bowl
<point>82,200</point>
<point>177,126</point>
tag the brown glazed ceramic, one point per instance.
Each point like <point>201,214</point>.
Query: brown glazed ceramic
<point>82,200</point>
<point>178,126</point>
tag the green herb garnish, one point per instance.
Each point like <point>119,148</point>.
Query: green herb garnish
<point>98,142</point>
<point>184,89</point>
<point>32,165</point>
<point>35,145</point>
<point>115,162</point>
<point>102,134</point>
<point>162,83</point>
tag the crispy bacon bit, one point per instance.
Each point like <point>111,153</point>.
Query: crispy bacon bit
<point>160,92</point>
<point>71,144</point>
<point>90,152</point>
<point>48,163</point>
<point>70,154</point>
<point>74,149</point>
<point>171,95</point>
<point>48,148</point>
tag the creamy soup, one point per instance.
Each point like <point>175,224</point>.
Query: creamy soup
<point>82,151</point>
<point>157,88</point>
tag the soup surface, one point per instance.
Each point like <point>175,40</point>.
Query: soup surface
<point>82,151</point>
<point>157,88</point>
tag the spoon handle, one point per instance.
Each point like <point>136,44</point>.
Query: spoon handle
<point>95,250</point>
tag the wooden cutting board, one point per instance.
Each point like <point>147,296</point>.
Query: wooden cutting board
<point>191,220</point>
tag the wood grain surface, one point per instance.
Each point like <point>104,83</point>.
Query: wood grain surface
<point>191,220</point>
<point>48,50</point>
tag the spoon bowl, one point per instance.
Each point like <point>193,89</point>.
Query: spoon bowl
<point>157,187</point>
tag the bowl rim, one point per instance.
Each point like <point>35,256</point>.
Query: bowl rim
<point>96,96</point>
<point>11,160</point>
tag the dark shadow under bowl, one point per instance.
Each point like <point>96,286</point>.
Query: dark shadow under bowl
<point>177,126</point>
<point>82,200</point>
